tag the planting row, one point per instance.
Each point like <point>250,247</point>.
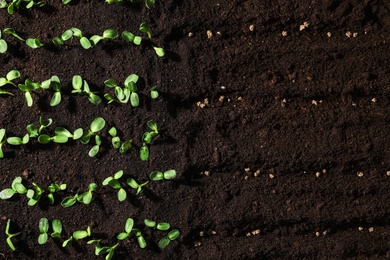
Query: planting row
<point>80,86</point>
<point>63,135</point>
<point>15,5</point>
<point>84,41</point>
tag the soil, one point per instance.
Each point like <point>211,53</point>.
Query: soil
<point>279,136</point>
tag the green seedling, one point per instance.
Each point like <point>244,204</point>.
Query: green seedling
<point>16,187</point>
<point>116,141</point>
<point>15,4</point>
<point>14,140</point>
<point>34,196</point>
<point>163,226</point>
<point>3,43</point>
<point>86,197</point>
<point>95,149</point>
<point>107,34</point>
<point>54,188</point>
<point>28,87</point>
<point>34,43</point>
<point>107,250</point>
<point>96,126</point>
<point>167,175</point>
<point>77,134</point>
<point>149,4</point>
<point>159,51</point>
<point>54,83</point>
<point>154,93</point>
<point>132,183</point>
<point>144,152</point>
<point>13,74</point>
<point>68,34</point>
<point>85,43</point>
<point>45,139</point>
<point>113,182</point>
<point>65,2</point>
<point>9,235</point>
<point>12,32</point>
<point>34,131</point>
<point>144,27</point>
<point>115,1</point>
<point>165,241</point>
<point>128,91</point>
<point>3,4</point>
<point>57,228</point>
<point>80,234</point>
<point>67,241</point>
<point>81,86</point>
<point>148,136</point>
<point>109,98</point>
<point>125,147</point>
<point>128,230</point>
<point>2,141</point>
<point>31,3</point>
<point>43,229</point>
<point>69,201</point>
<point>128,36</point>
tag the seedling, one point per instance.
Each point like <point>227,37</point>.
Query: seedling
<point>113,182</point>
<point>77,134</point>
<point>144,152</point>
<point>34,131</point>
<point>28,87</point>
<point>109,250</point>
<point>107,34</point>
<point>96,126</point>
<point>85,43</point>
<point>86,197</point>
<point>125,146</point>
<point>148,136</point>
<point>165,241</point>
<point>116,141</point>
<point>15,4</point>
<point>34,43</point>
<point>45,139</point>
<point>115,1</point>
<point>9,235</point>
<point>144,27</point>
<point>67,241</point>
<point>12,32</point>
<point>17,140</point>
<point>128,91</point>
<point>80,234</point>
<point>81,86</point>
<point>13,74</point>
<point>43,229</point>
<point>149,4</point>
<point>154,93</point>
<point>69,201</point>
<point>163,226</point>
<point>129,229</point>
<point>159,51</point>
<point>34,196</point>
<point>65,2</point>
<point>44,123</point>
<point>2,141</point>
<point>109,98</point>
<point>3,43</point>
<point>57,228</point>
<point>54,188</point>
<point>95,149</point>
<point>53,82</point>
<point>132,183</point>
<point>128,36</point>
<point>167,175</point>
<point>16,187</point>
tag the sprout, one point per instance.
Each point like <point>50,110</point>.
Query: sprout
<point>44,123</point>
<point>144,27</point>
<point>95,149</point>
<point>132,183</point>
<point>34,43</point>
<point>17,140</point>
<point>114,2</point>
<point>3,43</point>
<point>128,229</point>
<point>86,197</point>
<point>13,74</point>
<point>61,131</point>
<point>167,175</point>
<point>81,86</point>
<point>69,201</point>
<point>27,87</point>
<point>109,98</point>
<point>85,43</point>
<point>67,241</point>
<point>57,228</point>
<point>165,241</point>
<point>116,141</point>
<point>109,250</point>
<point>144,152</point>
<point>2,141</point>
<point>43,229</point>
<point>65,2</point>
<point>34,196</point>
<point>12,32</point>
<point>127,92</point>
<point>159,51</point>
<point>163,226</point>
<point>125,146</point>
<point>80,234</point>
<point>9,235</point>
<point>45,139</point>
<point>149,4</point>
<point>54,188</point>
<point>96,125</point>
<point>128,36</point>
<point>113,182</point>
<point>55,84</point>
<point>16,187</point>
<point>153,92</point>
<point>107,34</point>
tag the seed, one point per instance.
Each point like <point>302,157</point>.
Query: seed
<point>329,34</point>
<point>360,174</point>
<point>360,228</point>
<point>348,34</point>
<point>284,33</point>
<point>209,34</point>
<point>271,176</point>
<point>371,229</point>
<point>251,27</point>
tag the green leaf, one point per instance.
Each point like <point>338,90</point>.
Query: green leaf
<point>154,93</point>
<point>170,174</point>
<point>56,99</point>
<point>3,4</point>
<point>85,43</point>
<point>2,134</point>
<point>118,174</point>
<point>59,130</point>
<point>156,176</point>
<point>132,183</point>
<point>57,227</point>
<point>58,41</point>
<point>173,234</point>
<point>68,202</point>
<point>3,46</point>
<point>129,225</point>
<point>44,139</point>
<point>134,99</point>
<point>94,151</point>
<point>68,34</point>
<point>122,194</point>
<point>131,78</point>
<point>14,140</point>
<point>34,43</point>
<point>144,153</point>
<point>114,183</point>
<point>77,82</point>
<point>42,238</point>
<point>164,242</point>
<point>112,131</point>
<point>125,146</point>
<point>128,36</point>
<point>80,234</point>
<point>159,51</point>
<point>13,74</point>
<point>144,27</point>
<point>152,125</point>
<point>110,34</point>
<point>33,130</point>
<point>95,39</point>
<point>76,32</point>
<point>150,223</point>
<point>6,194</point>
<point>116,142</point>
<point>149,3</point>
<point>97,124</point>
<point>60,139</point>
<point>122,236</point>
<point>43,225</point>
<point>137,40</point>
<point>141,242</point>
<point>163,226</point>
<point>20,188</point>
<point>78,133</point>
<point>66,242</point>
<point>28,99</point>
<point>26,139</point>
<point>94,99</point>
<point>87,198</point>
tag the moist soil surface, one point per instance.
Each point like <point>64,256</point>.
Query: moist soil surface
<point>279,133</point>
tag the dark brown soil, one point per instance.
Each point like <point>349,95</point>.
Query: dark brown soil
<point>268,168</point>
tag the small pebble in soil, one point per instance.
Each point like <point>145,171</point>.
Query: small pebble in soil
<point>313,102</point>
<point>209,34</point>
<point>197,243</point>
<point>284,33</point>
<point>223,87</point>
<point>355,34</point>
<point>318,234</point>
<point>348,34</point>
<point>271,176</point>
<point>257,173</point>
<point>213,232</point>
<point>325,232</point>
<point>373,100</point>
<point>221,98</point>
<point>360,228</point>
<point>371,229</point>
<point>190,34</point>
<point>247,169</point>
<point>388,173</point>
<point>201,233</point>
<point>329,34</point>
<point>360,174</point>
<point>251,27</point>
<point>318,174</point>
<point>304,26</point>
